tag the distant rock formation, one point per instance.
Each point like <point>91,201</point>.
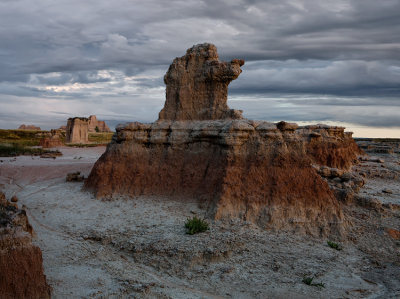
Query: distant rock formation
<point>77,130</point>
<point>258,171</point>
<point>29,127</point>
<point>21,269</point>
<point>197,86</point>
<point>54,138</point>
<point>99,124</point>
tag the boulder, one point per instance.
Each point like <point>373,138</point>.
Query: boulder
<point>75,177</point>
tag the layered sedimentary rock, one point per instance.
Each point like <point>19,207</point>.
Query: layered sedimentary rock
<point>97,125</point>
<point>197,86</point>
<point>77,130</point>
<point>21,269</point>
<point>263,172</point>
<point>29,127</point>
<point>54,138</point>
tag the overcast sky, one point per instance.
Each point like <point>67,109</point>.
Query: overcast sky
<point>306,61</point>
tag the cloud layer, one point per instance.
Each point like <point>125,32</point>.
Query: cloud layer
<point>66,58</point>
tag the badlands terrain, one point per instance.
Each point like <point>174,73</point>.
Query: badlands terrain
<point>293,211</point>
<point>138,247</point>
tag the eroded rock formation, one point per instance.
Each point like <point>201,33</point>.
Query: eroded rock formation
<point>29,127</point>
<point>77,130</point>
<point>263,172</point>
<point>54,138</point>
<point>97,125</point>
<point>197,86</point>
<point>21,269</point>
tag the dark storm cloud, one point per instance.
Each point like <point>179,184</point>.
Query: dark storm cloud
<point>110,50</point>
<point>363,78</point>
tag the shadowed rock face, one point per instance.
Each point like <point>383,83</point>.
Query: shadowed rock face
<point>197,86</point>
<point>21,270</point>
<point>254,170</point>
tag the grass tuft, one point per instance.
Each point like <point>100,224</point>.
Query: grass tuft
<point>195,225</point>
<point>334,245</point>
<point>308,281</point>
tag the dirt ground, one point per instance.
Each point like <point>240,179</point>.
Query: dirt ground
<point>137,248</point>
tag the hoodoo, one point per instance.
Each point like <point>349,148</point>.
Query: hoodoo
<point>259,171</point>
<point>197,86</point>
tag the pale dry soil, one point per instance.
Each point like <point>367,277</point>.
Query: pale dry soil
<point>137,248</point>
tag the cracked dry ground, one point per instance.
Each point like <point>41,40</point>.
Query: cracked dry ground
<point>138,248</point>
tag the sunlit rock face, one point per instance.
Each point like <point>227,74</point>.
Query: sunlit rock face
<point>96,125</point>
<point>253,170</point>
<point>77,130</point>
<point>197,86</point>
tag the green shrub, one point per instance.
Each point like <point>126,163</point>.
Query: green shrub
<point>195,225</point>
<point>334,245</point>
<point>308,281</point>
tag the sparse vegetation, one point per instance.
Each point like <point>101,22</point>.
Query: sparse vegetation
<point>309,281</point>
<point>195,225</point>
<point>334,245</point>
<point>97,129</point>
<point>100,137</point>
<point>21,137</point>
<point>82,144</point>
<point>12,150</point>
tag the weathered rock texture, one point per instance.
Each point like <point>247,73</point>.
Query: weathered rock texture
<point>77,130</point>
<point>197,86</point>
<point>255,170</point>
<point>54,138</point>
<point>99,124</point>
<point>21,270</point>
<point>29,127</point>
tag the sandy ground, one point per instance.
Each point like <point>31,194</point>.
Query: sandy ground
<point>137,248</point>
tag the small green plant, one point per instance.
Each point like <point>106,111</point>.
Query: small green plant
<point>308,281</point>
<point>334,245</point>
<point>97,129</point>
<point>195,225</point>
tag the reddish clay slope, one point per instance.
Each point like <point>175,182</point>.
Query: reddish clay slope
<point>21,269</point>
